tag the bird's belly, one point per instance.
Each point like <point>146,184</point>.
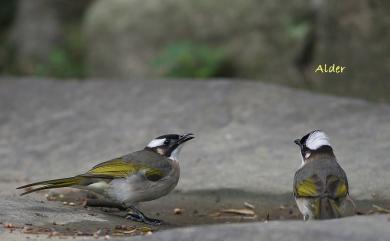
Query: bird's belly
<point>136,189</point>
<point>304,206</point>
<point>155,190</point>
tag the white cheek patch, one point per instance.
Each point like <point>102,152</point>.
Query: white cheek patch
<point>160,151</point>
<point>307,155</point>
<point>303,162</point>
<point>156,142</point>
<point>316,140</point>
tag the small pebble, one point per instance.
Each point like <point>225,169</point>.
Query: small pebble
<point>177,211</point>
<point>249,205</point>
<point>98,232</point>
<point>8,225</point>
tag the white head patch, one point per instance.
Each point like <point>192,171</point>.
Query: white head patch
<point>156,142</point>
<point>316,140</point>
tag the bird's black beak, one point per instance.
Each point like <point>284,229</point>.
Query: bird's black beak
<point>298,142</point>
<point>184,138</point>
<point>181,140</point>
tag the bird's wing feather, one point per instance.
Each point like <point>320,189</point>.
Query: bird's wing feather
<point>115,168</point>
<point>336,186</point>
<point>153,165</point>
<point>147,165</point>
<point>308,187</point>
<point>321,177</point>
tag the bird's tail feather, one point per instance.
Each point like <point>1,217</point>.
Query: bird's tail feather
<point>328,208</point>
<point>56,183</point>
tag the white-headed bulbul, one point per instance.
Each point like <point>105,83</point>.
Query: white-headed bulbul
<point>320,184</point>
<point>140,176</point>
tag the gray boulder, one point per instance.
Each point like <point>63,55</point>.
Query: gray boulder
<point>357,229</point>
<point>243,152</point>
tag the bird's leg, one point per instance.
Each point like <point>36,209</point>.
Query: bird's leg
<point>103,203</point>
<point>352,202</point>
<point>137,216</point>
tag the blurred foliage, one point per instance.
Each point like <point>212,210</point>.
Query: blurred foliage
<point>187,59</point>
<point>66,61</point>
<point>7,57</point>
<point>299,30</point>
<point>72,11</point>
<point>7,13</point>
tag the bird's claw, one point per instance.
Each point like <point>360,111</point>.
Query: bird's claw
<point>143,219</point>
<point>153,221</point>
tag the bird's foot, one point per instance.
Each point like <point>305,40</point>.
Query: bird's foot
<point>143,219</point>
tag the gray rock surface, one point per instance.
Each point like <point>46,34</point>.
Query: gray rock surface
<point>244,149</point>
<point>343,229</point>
<point>355,228</point>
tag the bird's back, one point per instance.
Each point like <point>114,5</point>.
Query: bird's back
<point>320,188</point>
<point>138,161</point>
<point>322,177</point>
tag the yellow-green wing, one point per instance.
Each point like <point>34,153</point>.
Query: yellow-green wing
<point>312,187</point>
<point>115,168</point>
<point>309,187</point>
<point>153,174</point>
<point>336,187</point>
<point>118,168</point>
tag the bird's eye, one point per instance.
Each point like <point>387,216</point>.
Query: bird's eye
<point>166,142</point>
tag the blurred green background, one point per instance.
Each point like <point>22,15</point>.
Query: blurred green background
<point>275,41</point>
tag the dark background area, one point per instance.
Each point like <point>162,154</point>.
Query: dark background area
<point>274,41</point>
